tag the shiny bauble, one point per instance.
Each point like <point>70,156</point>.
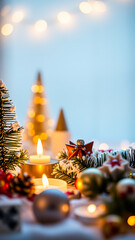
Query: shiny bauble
<point>80,142</point>
<point>51,206</point>
<point>113,225</point>
<point>125,188</point>
<point>90,182</point>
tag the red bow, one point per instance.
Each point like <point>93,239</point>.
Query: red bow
<point>81,150</point>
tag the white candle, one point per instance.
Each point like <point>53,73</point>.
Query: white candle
<point>44,183</point>
<point>39,158</point>
<point>90,213</point>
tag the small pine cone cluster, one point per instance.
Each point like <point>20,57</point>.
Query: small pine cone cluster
<point>23,185</point>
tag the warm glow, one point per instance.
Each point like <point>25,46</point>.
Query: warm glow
<point>37,88</point>
<point>64,17</point>
<point>31,113</point>
<point>98,7</point>
<point>103,146</point>
<point>43,136</point>
<point>43,101</point>
<point>40,118</point>
<point>131,221</point>
<point>45,181</point>
<point>85,7</point>
<point>7,29</point>
<point>39,148</point>
<point>78,184</point>
<point>35,138</point>
<point>18,16</point>
<point>65,208</point>
<point>124,145</point>
<point>30,125</point>
<point>91,208</point>
<point>34,88</point>
<point>40,26</point>
<point>39,100</point>
<point>102,207</point>
<point>31,132</point>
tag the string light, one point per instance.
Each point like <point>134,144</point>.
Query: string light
<point>131,221</point>
<point>40,118</point>
<point>18,16</point>
<point>98,7</point>
<point>40,26</point>
<point>85,7</point>
<point>31,113</point>
<point>35,138</point>
<point>43,136</point>
<point>7,29</point>
<point>37,88</point>
<point>64,17</point>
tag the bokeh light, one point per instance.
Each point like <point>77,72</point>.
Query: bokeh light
<point>40,118</point>
<point>64,17</point>
<point>91,208</point>
<point>18,16</point>
<point>7,29</point>
<point>85,7</point>
<point>131,221</point>
<point>103,146</point>
<point>40,26</point>
<point>98,7</point>
<point>31,113</point>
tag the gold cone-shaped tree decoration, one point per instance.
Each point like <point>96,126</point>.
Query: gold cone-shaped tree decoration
<point>38,124</point>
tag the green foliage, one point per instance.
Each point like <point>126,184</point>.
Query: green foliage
<point>10,134</point>
<point>68,170</point>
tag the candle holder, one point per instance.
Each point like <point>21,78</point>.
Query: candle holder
<point>37,170</point>
<point>42,184</point>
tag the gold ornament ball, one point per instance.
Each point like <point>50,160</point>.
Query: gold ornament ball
<point>80,142</point>
<point>90,182</point>
<point>112,222</point>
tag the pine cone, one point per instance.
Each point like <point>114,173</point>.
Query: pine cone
<point>22,185</point>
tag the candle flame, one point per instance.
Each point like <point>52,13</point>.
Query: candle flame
<point>39,147</point>
<point>91,208</point>
<point>45,181</point>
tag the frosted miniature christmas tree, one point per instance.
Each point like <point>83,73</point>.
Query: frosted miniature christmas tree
<point>11,154</point>
<point>38,125</point>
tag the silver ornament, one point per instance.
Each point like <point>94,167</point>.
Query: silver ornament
<point>51,205</point>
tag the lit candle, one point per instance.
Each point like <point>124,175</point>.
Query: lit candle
<point>39,158</point>
<point>90,213</point>
<point>44,183</point>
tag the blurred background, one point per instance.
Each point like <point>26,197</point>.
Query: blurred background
<point>85,52</point>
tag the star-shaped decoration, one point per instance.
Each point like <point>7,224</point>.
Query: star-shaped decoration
<point>79,149</point>
<point>114,165</point>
